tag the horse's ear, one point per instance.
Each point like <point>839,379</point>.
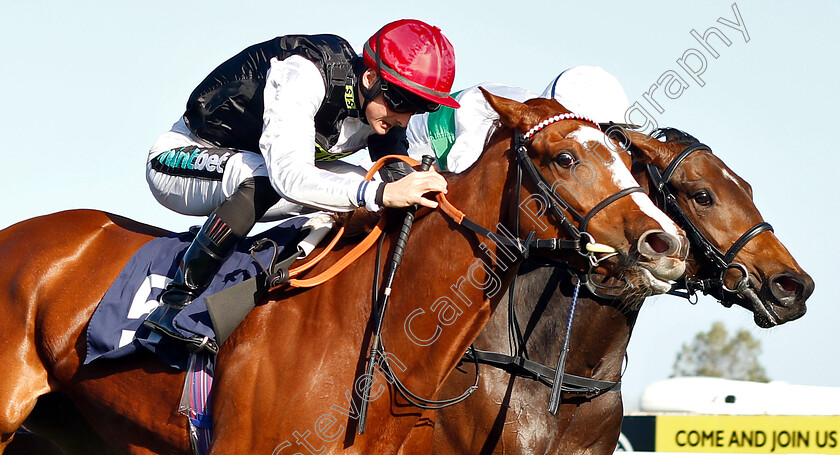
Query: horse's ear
<point>511,113</point>
<point>647,149</point>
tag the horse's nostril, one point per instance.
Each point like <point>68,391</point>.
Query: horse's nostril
<point>659,243</point>
<point>788,285</point>
<point>792,285</point>
<point>657,251</point>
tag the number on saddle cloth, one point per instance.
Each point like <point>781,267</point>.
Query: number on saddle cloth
<point>116,329</point>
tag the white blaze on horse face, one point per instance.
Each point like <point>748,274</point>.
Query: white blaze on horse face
<point>735,180</point>
<point>624,179</point>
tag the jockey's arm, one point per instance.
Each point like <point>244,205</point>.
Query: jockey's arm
<point>293,94</point>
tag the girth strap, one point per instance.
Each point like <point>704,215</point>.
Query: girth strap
<point>526,368</point>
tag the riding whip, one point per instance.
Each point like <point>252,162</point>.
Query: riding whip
<point>399,249</point>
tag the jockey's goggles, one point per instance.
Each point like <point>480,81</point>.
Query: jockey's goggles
<point>403,102</point>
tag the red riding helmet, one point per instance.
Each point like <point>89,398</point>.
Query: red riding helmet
<point>416,57</point>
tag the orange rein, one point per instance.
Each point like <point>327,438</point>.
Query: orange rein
<point>366,243</point>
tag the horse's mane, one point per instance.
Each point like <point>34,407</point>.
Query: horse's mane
<point>674,135</point>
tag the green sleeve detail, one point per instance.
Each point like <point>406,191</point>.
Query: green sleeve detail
<point>441,126</point>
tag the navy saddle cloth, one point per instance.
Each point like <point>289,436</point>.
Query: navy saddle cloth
<point>116,329</point>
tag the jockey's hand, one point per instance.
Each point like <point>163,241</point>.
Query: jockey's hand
<point>410,189</point>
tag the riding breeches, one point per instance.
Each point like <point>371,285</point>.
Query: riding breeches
<point>193,177</point>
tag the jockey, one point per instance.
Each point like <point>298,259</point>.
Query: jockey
<point>457,138</point>
<point>261,135</point>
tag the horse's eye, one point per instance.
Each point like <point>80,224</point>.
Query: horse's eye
<point>565,160</point>
<point>703,198</point>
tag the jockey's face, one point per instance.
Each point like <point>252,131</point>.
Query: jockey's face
<point>382,118</point>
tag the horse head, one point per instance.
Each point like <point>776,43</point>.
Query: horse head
<point>574,172</point>
<point>741,261</point>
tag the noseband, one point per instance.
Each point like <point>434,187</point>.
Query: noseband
<point>719,260</point>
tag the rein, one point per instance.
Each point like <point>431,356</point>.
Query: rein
<point>561,382</point>
<point>580,242</point>
<point>721,261</point>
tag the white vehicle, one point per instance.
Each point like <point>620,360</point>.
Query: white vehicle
<point>712,415</point>
<point>704,395</point>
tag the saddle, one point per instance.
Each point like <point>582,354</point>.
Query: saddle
<point>259,263</point>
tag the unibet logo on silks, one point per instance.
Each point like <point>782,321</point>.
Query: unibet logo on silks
<point>193,162</point>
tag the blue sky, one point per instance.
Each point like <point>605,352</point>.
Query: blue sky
<point>89,85</point>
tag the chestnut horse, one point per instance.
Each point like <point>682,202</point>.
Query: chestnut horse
<point>289,378</point>
<point>508,413</point>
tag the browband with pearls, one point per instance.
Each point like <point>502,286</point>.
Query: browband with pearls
<point>557,118</point>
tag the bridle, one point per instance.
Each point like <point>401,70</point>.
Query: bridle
<point>517,365</point>
<point>579,241</point>
<point>722,262</point>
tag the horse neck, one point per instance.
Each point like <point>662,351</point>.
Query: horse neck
<point>542,300</point>
<point>447,271</point>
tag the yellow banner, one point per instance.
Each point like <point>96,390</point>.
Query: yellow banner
<point>748,434</point>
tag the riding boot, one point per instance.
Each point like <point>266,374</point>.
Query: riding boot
<point>213,244</point>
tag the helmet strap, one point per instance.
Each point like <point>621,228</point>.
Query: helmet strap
<point>368,93</point>
<point>372,92</point>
